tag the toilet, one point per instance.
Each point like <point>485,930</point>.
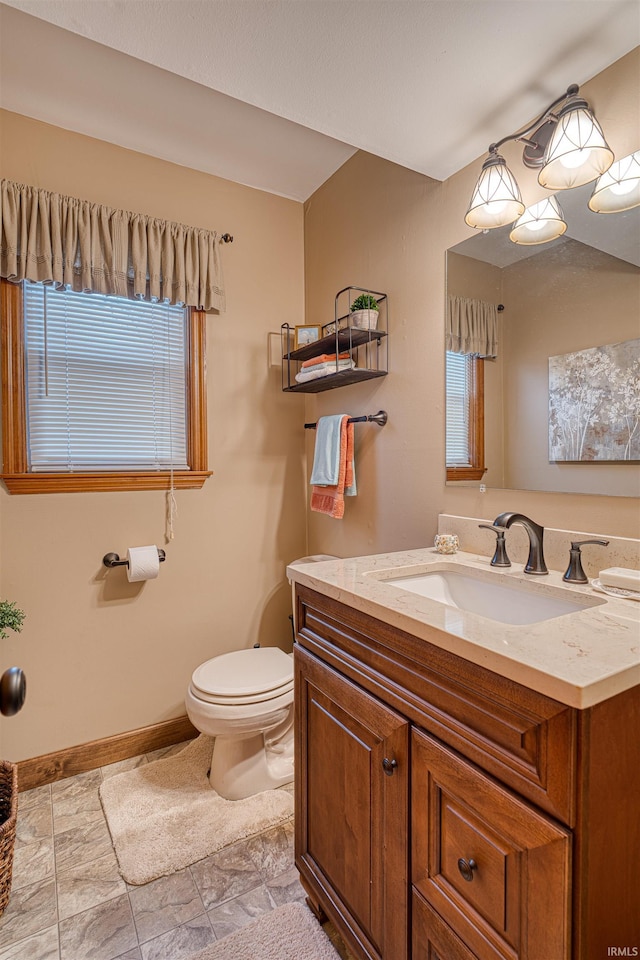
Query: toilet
<point>245,700</point>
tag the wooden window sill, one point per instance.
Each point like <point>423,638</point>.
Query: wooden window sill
<point>103,482</point>
<point>465,473</point>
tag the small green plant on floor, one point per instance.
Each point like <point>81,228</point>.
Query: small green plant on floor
<point>364,302</point>
<point>11,618</point>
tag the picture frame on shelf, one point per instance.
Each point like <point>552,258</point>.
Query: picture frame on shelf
<point>306,334</point>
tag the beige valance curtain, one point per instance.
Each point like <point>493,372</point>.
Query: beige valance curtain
<point>50,238</point>
<point>472,327</point>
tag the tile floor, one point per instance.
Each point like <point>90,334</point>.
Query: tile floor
<point>68,901</point>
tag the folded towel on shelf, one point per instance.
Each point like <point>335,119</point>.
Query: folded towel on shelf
<point>329,498</point>
<point>325,358</point>
<point>323,370</point>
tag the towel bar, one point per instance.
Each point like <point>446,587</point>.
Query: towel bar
<point>380,418</point>
<point>113,559</point>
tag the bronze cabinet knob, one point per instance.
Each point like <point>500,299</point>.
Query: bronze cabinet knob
<point>466,868</point>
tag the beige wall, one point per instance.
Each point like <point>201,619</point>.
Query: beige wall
<point>377,224</point>
<point>102,656</point>
<point>374,224</point>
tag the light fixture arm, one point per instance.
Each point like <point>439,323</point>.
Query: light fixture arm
<point>571,92</point>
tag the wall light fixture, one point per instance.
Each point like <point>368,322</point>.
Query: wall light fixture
<point>619,188</point>
<point>539,223</point>
<point>567,146</point>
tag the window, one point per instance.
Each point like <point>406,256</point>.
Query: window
<point>100,393</point>
<point>465,416</point>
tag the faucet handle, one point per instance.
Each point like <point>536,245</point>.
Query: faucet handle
<point>574,572</point>
<point>500,558</point>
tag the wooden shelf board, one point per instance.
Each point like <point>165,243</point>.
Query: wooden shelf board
<point>333,380</point>
<point>348,338</point>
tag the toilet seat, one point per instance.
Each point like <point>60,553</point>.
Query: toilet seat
<point>244,677</point>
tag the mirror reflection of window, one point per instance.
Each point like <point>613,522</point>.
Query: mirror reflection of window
<point>465,416</point>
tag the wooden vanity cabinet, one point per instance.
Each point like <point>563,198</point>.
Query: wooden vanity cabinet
<point>444,812</point>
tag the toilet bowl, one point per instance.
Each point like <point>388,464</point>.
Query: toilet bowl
<point>245,700</point>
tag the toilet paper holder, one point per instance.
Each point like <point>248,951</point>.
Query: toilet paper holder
<point>113,559</point>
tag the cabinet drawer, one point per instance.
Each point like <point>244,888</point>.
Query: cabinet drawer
<point>495,869</point>
<point>524,739</point>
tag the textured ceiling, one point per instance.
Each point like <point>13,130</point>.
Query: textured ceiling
<point>278,93</point>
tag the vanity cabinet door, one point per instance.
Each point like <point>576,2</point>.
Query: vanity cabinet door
<point>431,938</point>
<point>352,808</point>
<point>495,869</point>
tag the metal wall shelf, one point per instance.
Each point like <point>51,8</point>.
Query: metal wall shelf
<point>367,347</point>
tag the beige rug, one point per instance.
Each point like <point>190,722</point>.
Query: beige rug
<point>290,932</point>
<point>164,815</point>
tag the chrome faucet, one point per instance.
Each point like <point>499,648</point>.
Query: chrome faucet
<point>535,563</point>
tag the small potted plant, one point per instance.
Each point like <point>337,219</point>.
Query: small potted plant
<point>364,312</point>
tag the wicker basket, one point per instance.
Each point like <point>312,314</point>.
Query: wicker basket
<point>8,817</point>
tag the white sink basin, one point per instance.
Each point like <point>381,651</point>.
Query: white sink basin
<point>515,603</point>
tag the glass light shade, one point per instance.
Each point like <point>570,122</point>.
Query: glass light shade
<point>619,188</point>
<point>496,200</point>
<point>539,223</point>
<point>578,151</point>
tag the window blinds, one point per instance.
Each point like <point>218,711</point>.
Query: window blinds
<point>106,382</point>
<point>459,377</point>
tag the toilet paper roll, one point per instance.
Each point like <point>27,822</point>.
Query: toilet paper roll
<point>144,563</point>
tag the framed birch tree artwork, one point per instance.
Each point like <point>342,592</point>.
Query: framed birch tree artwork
<point>594,404</point>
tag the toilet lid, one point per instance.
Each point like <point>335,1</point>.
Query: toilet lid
<point>244,676</point>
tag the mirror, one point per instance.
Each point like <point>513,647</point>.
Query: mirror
<point>574,293</point>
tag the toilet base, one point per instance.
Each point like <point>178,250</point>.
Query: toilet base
<point>242,767</point>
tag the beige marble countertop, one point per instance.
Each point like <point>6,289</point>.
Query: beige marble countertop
<point>579,658</point>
